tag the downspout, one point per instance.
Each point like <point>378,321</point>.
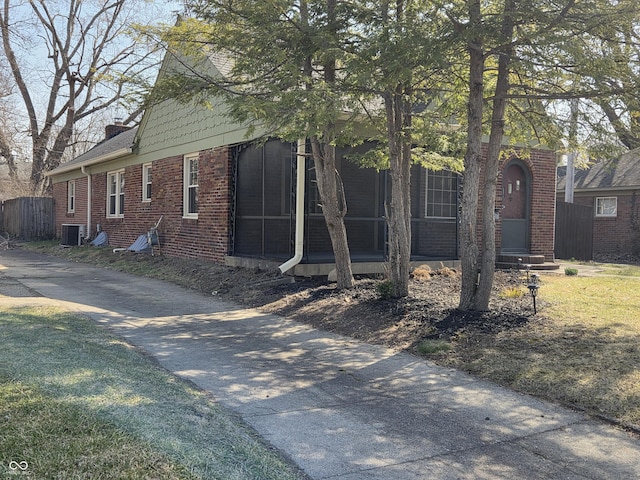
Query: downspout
<point>300,190</point>
<point>87,234</point>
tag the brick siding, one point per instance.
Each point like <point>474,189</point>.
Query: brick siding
<point>62,216</point>
<point>208,236</point>
<point>542,209</point>
<point>619,235</point>
<point>205,237</point>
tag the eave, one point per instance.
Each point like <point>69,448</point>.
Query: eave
<point>65,168</point>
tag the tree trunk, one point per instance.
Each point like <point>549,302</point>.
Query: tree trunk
<point>481,294</point>
<point>333,208</point>
<point>487,270</point>
<point>332,197</point>
<point>469,251</point>
<point>398,211</point>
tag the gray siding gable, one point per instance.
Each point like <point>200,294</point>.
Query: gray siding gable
<point>172,128</point>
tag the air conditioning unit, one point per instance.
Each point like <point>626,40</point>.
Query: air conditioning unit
<point>72,235</point>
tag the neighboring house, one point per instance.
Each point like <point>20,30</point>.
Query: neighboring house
<point>612,189</point>
<point>226,199</point>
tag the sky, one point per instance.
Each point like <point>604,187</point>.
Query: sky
<point>34,55</point>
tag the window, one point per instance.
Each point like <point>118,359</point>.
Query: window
<point>191,186</point>
<point>441,199</point>
<point>71,196</point>
<point>606,206</point>
<point>115,194</point>
<point>146,182</point>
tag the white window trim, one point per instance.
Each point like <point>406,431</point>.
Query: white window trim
<point>185,190</point>
<point>119,174</point>
<point>71,196</point>
<point>606,215</point>
<point>146,168</point>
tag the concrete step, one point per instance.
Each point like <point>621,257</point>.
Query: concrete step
<point>546,266</point>
<point>524,258</point>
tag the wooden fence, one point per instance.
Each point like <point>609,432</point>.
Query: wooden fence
<point>28,218</point>
<point>574,231</point>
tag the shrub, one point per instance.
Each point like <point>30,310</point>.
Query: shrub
<point>571,271</point>
<point>512,292</point>
<point>446,272</point>
<point>423,272</point>
<point>385,290</point>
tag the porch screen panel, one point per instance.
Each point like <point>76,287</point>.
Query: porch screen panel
<point>263,201</point>
<point>317,241</point>
<point>249,183</point>
<point>361,185</point>
<point>248,237</point>
<point>277,240</point>
<point>277,179</point>
<point>366,238</point>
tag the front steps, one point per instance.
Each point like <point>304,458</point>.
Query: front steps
<point>507,261</point>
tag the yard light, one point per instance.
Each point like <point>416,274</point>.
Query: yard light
<point>533,286</point>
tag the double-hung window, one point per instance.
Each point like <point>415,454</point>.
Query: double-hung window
<point>115,194</point>
<point>71,196</point>
<point>606,206</point>
<point>190,180</point>
<point>146,182</point>
<point>441,199</point>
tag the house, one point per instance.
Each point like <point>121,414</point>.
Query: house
<point>227,199</point>
<point>612,189</point>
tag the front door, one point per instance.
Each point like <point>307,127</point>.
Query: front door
<point>515,212</point>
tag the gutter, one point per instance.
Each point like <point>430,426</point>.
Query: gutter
<point>68,167</point>
<point>603,190</point>
<point>87,234</point>
<point>300,191</point>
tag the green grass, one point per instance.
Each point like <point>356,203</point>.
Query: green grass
<point>433,347</point>
<point>57,439</point>
<point>621,270</point>
<point>76,402</point>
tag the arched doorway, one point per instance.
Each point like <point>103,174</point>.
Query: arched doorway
<point>516,188</point>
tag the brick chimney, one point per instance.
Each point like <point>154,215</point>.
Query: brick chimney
<point>117,128</point>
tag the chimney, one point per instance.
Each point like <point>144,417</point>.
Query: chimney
<point>116,128</point>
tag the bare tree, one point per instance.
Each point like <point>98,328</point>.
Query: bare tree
<point>6,141</point>
<point>89,66</point>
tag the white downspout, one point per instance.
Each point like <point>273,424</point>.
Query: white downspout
<point>87,234</point>
<point>299,233</point>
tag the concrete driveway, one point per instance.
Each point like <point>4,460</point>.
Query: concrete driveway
<point>338,408</point>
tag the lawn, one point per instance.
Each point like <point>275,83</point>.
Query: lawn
<point>583,349</point>
<point>78,403</point>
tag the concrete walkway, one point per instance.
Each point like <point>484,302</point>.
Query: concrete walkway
<point>338,408</point>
